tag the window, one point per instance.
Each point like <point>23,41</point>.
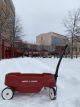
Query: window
<point>4,6</point>
<point>4,2</point>
<point>57,41</point>
<point>3,14</point>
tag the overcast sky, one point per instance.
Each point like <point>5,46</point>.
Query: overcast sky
<point>40,16</point>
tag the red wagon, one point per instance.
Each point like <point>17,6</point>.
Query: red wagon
<point>31,83</point>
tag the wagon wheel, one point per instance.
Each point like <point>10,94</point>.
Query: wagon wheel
<point>52,93</point>
<point>7,93</point>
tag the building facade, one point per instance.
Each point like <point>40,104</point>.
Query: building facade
<point>7,22</point>
<point>54,40</point>
<point>51,39</point>
<point>76,46</point>
<point>7,18</point>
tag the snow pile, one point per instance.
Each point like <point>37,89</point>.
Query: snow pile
<point>68,82</point>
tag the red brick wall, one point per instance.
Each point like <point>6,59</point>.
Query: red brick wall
<point>8,7</point>
<point>0,6</point>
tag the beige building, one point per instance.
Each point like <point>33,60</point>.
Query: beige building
<point>50,39</point>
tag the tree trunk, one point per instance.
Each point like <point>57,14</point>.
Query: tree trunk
<point>76,49</point>
<point>72,48</point>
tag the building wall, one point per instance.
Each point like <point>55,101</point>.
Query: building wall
<point>10,8</point>
<point>7,17</point>
<point>76,48</point>
<point>7,21</point>
<point>0,50</point>
<point>0,6</point>
<point>58,41</point>
<point>43,39</point>
<point>51,38</point>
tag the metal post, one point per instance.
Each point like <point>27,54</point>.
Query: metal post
<point>3,49</point>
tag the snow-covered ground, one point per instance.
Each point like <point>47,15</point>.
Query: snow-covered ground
<point>68,82</point>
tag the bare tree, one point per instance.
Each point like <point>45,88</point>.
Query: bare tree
<point>11,26</point>
<point>6,26</point>
<point>18,29</point>
<point>72,25</point>
<point>2,22</point>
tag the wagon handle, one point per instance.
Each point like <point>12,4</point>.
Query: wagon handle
<point>57,68</point>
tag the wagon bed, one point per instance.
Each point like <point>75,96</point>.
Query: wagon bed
<point>29,83</point>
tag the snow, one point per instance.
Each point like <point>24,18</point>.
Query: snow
<point>68,94</point>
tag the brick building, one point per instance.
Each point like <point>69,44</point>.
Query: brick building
<point>7,18</point>
<point>7,21</point>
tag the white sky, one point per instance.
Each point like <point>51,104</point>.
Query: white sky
<point>40,16</point>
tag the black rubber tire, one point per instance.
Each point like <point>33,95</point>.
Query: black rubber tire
<point>7,88</point>
<point>52,93</point>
